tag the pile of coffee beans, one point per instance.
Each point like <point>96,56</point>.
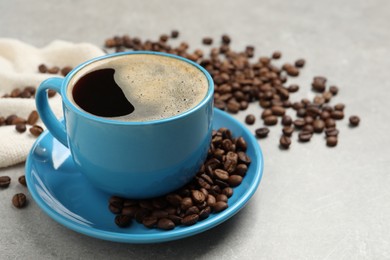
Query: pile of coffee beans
<point>240,78</point>
<point>207,193</point>
<point>43,68</point>
<point>19,200</point>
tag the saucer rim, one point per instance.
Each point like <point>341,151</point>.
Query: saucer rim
<point>163,236</point>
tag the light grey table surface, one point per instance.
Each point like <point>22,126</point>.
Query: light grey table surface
<point>314,202</point>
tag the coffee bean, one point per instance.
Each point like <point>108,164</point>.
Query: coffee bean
<point>150,222</point>
<point>128,210</point>
<point>299,123</point>
<point>305,136</point>
<point>318,125</point>
<point>205,213</point>
<point>241,144</point>
<point>308,128</point>
<point>165,224</point>
<point>53,70</point>
<point>4,181</point>
<point>330,123</point>
<point>331,141</point>
<point>65,70</point>
<point>287,131</point>
<point>234,180</point>
<point>300,63</point>
<point>318,84</point>
<point>262,132</point>
<point>278,110</point>
<point>197,196</point>
<point>337,114</point>
<point>190,219</point>
<point>334,90</point>
<point>354,120</point>
<point>36,130</point>
<point>219,206</point>
<point>207,41</point>
<point>250,119</point>
<point>174,34</point>
<point>293,88</point>
<point>286,120</point>
<point>241,169</point>
<point>233,106</point>
<point>270,120</point>
<point>222,197</point>
<point>123,220</point>
<point>266,113</point>
<point>186,203</point>
<point>42,68</point>
<point>339,107</point>
<point>19,200</point>
<point>221,174</point>
<point>51,93</point>
<point>22,180</point>
<point>331,132</point>
<point>21,128</point>
<point>276,55</point>
<point>285,142</point>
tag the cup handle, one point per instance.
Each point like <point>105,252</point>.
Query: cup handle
<point>56,128</point>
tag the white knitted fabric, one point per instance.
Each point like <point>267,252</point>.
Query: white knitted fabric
<point>19,68</point>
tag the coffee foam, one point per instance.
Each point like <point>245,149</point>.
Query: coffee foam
<point>157,86</point>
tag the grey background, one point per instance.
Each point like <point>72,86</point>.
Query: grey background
<point>314,202</point>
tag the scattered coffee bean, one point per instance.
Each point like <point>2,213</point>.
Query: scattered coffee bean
<point>334,90</point>
<point>66,70</point>
<point>286,120</point>
<point>300,63</point>
<point>331,141</point>
<point>207,41</point>
<point>4,181</point>
<point>262,132</point>
<point>250,119</point>
<point>331,132</point>
<point>21,128</point>
<point>190,219</point>
<point>22,180</point>
<point>276,55</point>
<point>165,224</point>
<point>319,84</point>
<point>270,120</point>
<point>36,130</point>
<point>42,68</point>
<point>33,117</point>
<point>174,34</point>
<point>305,136</point>
<point>285,142</point>
<point>19,200</point>
<point>288,130</point>
<point>318,125</point>
<point>354,120</point>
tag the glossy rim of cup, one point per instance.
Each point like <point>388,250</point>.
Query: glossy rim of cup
<point>73,107</point>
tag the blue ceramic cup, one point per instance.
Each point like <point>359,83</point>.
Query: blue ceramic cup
<point>134,159</point>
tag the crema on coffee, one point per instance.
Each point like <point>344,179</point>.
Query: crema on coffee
<point>138,87</point>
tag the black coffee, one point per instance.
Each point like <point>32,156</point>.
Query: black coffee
<point>98,94</point>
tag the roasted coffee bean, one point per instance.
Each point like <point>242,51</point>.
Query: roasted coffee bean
<point>241,144</point>
<point>286,120</point>
<point>4,181</point>
<point>233,106</point>
<point>150,222</point>
<point>334,90</point>
<point>331,132</point>
<point>2,120</point>
<point>219,206</point>
<point>221,174</point>
<point>21,128</point>
<point>19,200</point>
<point>288,131</point>
<point>205,213</point>
<point>165,224</point>
<point>337,114</point>
<point>18,120</point>
<point>270,120</point>
<point>159,213</point>
<point>243,158</point>
<point>293,88</point>
<point>234,180</point>
<point>222,197</point>
<point>300,63</point>
<point>299,123</point>
<point>42,68</point>
<point>308,128</point>
<point>128,210</point>
<point>53,70</point>
<point>122,220</point>
<point>241,169</point>
<point>65,70</point>
<point>36,130</point>
<point>262,132</point>
<point>305,136</point>
<point>319,84</point>
<point>174,199</point>
<point>211,200</point>
<point>186,203</point>
<point>266,113</point>
<point>198,196</point>
<point>318,125</point>
<point>51,93</point>
<point>190,220</point>
<point>192,210</point>
<point>278,110</point>
<point>276,55</point>
<point>174,34</point>
<point>339,107</point>
<point>228,191</point>
<point>250,119</point>
<point>327,95</point>
<point>175,219</point>
<point>22,180</point>
<point>330,123</point>
<point>331,141</point>
<point>354,120</point>
<point>207,41</point>
<point>285,142</point>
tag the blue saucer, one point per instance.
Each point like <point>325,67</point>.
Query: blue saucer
<point>66,196</point>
